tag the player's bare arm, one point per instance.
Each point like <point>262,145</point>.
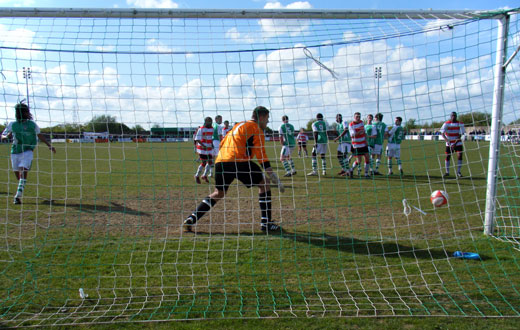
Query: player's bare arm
<point>44,140</point>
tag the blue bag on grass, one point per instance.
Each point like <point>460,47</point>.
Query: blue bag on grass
<point>466,255</point>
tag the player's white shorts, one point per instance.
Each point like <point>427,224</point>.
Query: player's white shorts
<point>216,145</point>
<point>344,147</point>
<point>286,151</point>
<point>320,148</point>
<point>393,150</point>
<point>377,149</point>
<point>23,159</point>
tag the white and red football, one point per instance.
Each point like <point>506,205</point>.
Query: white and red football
<point>439,198</point>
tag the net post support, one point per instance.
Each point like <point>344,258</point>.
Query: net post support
<point>496,124</point>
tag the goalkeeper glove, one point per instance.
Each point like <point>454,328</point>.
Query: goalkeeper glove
<point>274,178</point>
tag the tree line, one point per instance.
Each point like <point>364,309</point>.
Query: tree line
<point>105,123</point>
<point>101,123</point>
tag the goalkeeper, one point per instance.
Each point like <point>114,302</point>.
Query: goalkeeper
<point>245,141</point>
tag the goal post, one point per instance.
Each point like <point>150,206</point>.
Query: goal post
<point>498,99</point>
<point>98,235</point>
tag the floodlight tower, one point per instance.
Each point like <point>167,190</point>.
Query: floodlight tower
<point>378,73</point>
<point>27,76</point>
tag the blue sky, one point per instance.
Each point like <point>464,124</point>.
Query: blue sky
<point>257,4</point>
<point>91,67</point>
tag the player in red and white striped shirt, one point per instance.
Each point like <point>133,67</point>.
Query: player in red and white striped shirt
<point>302,139</point>
<point>226,128</point>
<point>359,144</point>
<point>452,132</point>
<point>204,148</point>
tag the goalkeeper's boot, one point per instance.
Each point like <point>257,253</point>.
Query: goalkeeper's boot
<point>205,178</point>
<point>17,201</point>
<point>197,179</point>
<point>459,175</point>
<point>270,227</point>
<point>189,223</point>
<point>446,175</point>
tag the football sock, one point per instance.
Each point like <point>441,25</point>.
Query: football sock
<point>354,166</point>
<point>207,170</point>
<point>314,164</point>
<point>264,199</point>
<point>199,170</point>
<point>204,206</point>
<point>287,166</point>
<point>21,187</point>
<point>292,164</point>
<point>344,164</point>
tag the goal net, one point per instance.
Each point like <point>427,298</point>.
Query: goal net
<point>98,236</point>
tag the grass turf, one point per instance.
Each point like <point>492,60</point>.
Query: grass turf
<point>106,218</point>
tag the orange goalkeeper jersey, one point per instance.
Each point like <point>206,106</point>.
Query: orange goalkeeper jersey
<point>245,141</point>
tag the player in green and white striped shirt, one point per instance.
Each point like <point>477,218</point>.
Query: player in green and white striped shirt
<point>25,134</point>
<point>319,129</point>
<point>344,145</point>
<point>382,133</point>
<point>288,141</point>
<point>371,132</point>
<point>217,137</point>
<point>393,149</point>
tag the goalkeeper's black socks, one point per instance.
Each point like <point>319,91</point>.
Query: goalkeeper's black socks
<point>264,200</point>
<point>204,206</point>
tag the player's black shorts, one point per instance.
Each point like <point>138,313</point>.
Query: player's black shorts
<point>450,150</point>
<point>205,157</point>
<point>360,151</point>
<point>302,144</point>
<point>249,173</point>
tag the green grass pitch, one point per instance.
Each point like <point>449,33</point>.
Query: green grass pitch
<point>106,218</point>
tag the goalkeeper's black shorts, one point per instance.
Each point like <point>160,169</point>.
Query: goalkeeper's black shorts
<point>249,173</point>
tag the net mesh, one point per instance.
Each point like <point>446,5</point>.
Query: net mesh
<point>98,235</point>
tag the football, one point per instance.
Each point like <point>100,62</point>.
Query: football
<point>439,198</point>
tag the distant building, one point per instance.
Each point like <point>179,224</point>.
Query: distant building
<point>173,132</point>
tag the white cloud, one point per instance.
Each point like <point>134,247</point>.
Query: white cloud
<point>237,36</point>
<point>154,45</point>
<point>272,28</point>
<point>152,3</point>
<point>349,36</point>
<point>16,38</point>
<point>293,5</point>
